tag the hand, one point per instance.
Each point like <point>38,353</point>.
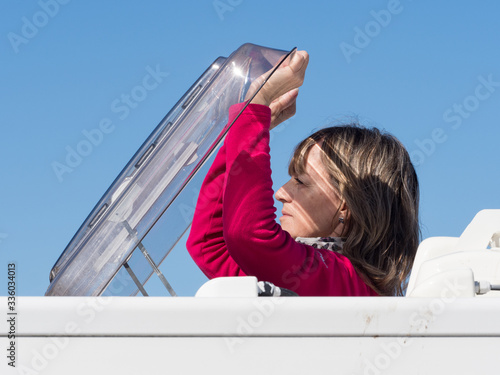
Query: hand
<point>281,90</point>
<point>283,108</point>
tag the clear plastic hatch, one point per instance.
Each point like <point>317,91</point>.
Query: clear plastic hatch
<point>107,255</point>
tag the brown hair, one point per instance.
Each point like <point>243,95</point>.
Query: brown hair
<point>374,176</point>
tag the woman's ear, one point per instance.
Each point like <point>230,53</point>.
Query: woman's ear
<point>341,221</point>
<point>344,218</point>
<point>344,211</point>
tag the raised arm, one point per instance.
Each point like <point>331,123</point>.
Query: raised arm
<point>206,242</point>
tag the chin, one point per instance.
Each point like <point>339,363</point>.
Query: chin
<point>290,232</point>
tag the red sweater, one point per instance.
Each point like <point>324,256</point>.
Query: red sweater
<point>234,230</point>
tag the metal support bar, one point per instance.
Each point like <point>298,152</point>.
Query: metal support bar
<point>151,262</point>
<point>157,270</point>
<point>136,280</point>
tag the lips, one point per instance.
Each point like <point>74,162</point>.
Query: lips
<point>285,213</point>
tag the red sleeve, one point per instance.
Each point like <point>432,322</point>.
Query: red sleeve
<point>206,243</point>
<point>254,240</point>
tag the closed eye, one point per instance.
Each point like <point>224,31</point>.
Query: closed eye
<point>298,181</point>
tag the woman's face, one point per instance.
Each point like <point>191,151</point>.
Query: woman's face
<point>310,202</point>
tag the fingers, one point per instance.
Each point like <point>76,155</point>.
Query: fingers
<point>285,100</point>
<point>283,116</point>
<point>298,62</point>
<point>282,83</point>
<point>284,107</point>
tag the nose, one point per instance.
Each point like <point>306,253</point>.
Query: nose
<point>282,194</point>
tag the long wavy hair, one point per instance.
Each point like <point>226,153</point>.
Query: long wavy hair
<point>374,176</point>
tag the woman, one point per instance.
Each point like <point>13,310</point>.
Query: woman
<point>350,211</point>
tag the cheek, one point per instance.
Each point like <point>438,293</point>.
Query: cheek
<point>321,202</point>
<point>327,214</point>
<point>314,213</point>
<point>324,211</point>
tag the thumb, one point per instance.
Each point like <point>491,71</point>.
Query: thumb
<point>299,61</point>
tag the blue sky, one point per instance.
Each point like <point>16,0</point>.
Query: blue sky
<point>428,72</point>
